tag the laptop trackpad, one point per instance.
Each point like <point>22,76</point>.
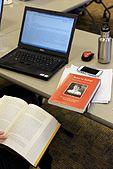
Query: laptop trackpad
<point>32,70</point>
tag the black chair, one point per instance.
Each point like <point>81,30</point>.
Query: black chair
<point>106,13</point>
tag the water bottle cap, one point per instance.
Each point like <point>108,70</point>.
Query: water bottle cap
<point>105,28</point>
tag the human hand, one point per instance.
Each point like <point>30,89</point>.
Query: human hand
<point>3,136</point>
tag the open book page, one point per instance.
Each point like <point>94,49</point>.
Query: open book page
<point>9,110</point>
<point>31,132</point>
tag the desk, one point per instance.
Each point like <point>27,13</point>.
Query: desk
<point>100,112</point>
<point>12,14</point>
<point>60,5</point>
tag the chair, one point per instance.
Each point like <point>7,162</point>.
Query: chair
<point>106,13</point>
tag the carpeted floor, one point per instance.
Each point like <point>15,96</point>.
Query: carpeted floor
<point>89,146</point>
<point>96,10</point>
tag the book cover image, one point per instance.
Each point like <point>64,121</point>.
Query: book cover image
<point>75,92</point>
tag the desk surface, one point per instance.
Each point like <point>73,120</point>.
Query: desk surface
<point>100,112</point>
<point>13,13</point>
<point>59,5</point>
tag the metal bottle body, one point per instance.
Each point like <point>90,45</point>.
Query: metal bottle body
<point>104,47</point>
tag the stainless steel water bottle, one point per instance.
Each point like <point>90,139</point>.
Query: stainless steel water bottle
<point>104,44</point>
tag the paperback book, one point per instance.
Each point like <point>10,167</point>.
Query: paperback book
<point>75,92</point>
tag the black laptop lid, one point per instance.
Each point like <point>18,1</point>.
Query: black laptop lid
<point>1,9</point>
<point>47,31</point>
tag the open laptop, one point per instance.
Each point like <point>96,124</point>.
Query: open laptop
<point>1,9</point>
<point>44,43</point>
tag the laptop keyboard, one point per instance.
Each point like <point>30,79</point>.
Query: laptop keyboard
<point>41,61</point>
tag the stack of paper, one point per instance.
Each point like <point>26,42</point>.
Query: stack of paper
<point>103,94</point>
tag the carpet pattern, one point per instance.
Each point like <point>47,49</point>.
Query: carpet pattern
<point>90,146</point>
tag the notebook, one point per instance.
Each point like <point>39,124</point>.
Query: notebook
<point>44,43</point>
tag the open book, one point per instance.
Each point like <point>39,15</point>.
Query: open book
<point>30,129</point>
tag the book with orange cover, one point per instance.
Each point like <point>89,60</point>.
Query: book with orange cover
<point>75,92</point>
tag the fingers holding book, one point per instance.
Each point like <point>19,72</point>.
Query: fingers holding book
<point>3,135</point>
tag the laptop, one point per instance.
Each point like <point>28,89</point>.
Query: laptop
<point>1,9</point>
<point>44,43</point>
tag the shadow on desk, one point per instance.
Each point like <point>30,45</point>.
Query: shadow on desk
<point>90,148</point>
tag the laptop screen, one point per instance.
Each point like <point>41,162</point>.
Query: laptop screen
<point>1,9</point>
<point>47,31</point>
